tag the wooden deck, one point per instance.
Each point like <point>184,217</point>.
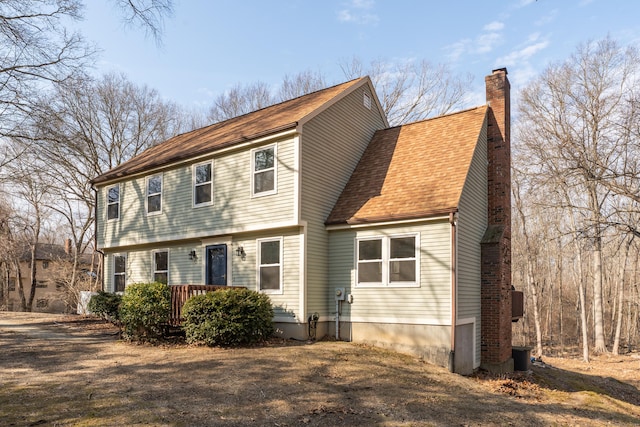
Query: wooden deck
<point>181,293</point>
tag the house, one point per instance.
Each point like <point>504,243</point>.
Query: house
<point>53,267</point>
<point>397,236</point>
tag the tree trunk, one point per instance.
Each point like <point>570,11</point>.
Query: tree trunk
<point>23,301</point>
<point>32,277</point>
<point>560,296</point>
<point>581,291</point>
<point>623,268</point>
<point>598,306</point>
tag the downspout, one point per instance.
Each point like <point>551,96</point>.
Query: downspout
<point>95,235</point>
<point>452,220</point>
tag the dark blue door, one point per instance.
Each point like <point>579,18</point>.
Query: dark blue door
<point>217,265</point>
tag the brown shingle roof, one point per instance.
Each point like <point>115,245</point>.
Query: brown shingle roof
<point>279,117</point>
<point>411,171</point>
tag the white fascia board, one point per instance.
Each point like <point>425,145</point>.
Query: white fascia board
<point>207,155</point>
<point>384,223</point>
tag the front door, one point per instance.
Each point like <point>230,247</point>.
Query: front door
<point>216,265</point>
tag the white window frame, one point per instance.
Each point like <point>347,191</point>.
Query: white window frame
<point>386,261</point>
<point>147,195</point>
<point>371,261</point>
<point>153,264</point>
<point>201,184</point>
<point>109,203</point>
<point>259,264</point>
<point>116,273</point>
<point>274,169</point>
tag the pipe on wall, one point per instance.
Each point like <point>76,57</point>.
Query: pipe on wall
<point>454,291</point>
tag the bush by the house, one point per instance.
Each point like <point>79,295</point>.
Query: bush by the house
<point>106,305</point>
<point>228,317</point>
<point>145,309</point>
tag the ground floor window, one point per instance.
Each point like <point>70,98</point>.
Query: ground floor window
<point>119,272</point>
<point>270,264</point>
<point>161,266</point>
<point>388,260</point>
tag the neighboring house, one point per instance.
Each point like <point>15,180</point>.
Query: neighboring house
<point>51,294</point>
<point>392,236</point>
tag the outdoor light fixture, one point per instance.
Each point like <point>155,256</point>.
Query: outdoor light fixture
<point>193,256</point>
<point>240,252</point>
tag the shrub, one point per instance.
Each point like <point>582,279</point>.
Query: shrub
<point>228,317</point>
<point>145,309</point>
<point>106,305</point>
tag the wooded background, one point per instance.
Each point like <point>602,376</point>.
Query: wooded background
<point>575,164</point>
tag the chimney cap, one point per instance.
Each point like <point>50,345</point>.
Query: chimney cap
<point>499,69</point>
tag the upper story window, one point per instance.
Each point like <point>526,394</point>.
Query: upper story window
<point>202,184</point>
<point>270,265</point>
<point>45,264</point>
<point>263,170</point>
<point>161,266</point>
<point>388,260</point>
<point>119,272</point>
<point>113,202</point>
<point>154,194</point>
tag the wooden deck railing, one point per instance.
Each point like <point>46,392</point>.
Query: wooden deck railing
<point>181,293</point>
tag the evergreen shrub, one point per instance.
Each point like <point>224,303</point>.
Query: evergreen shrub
<point>145,310</point>
<point>228,317</point>
<point>106,305</point>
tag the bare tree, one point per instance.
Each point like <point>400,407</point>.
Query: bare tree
<point>573,111</point>
<point>412,91</point>
<point>86,128</point>
<point>243,99</point>
<point>530,254</point>
<point>146,14</point>
<point>240,100</point>
<point>29,187</point>
<point>300,84</point>
<point>35,50</point>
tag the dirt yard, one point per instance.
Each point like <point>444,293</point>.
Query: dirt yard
<point>73,371</point>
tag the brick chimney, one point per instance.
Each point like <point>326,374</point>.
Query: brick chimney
<point>496,244</point>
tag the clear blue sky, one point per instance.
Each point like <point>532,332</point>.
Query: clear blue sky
<point>211,45</point>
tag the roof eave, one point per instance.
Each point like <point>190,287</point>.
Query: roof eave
<point>115,176</point>
<point>414,216</point>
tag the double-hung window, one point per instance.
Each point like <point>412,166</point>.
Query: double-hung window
<point>119,272</point>
<point>388,260</point>
<point>270,265</point>
<point>202,184</point>
<point>263,171</point>
<point>113,202</point>
<point>154,194</point>
<point>161,266</point>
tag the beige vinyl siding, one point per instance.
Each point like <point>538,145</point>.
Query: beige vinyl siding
<point>429,303</point>
<point>332,144</point>
<point>233,208</point>
<point>287,303</point>
<point>183,270</point>
<point>472,223</point>
<point>108,273</point>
